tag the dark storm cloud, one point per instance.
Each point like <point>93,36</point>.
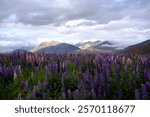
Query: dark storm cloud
<point>56,12</point>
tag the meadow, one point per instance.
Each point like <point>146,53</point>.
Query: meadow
<point>80,76</point>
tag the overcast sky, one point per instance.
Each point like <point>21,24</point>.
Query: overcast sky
<point>30,22</point>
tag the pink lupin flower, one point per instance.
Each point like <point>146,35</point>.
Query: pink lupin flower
<point>15,75</point>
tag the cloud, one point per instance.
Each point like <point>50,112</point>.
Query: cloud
<point>30,22</point>
<point>56,12</point>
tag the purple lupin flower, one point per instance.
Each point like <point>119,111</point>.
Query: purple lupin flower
<point>84,94</point>
<point>45,85</point>
<point>69,94</point>
<point>108,91</point>
<point>34,92</point>
<point>145,74</point>
<point>44,96</point>
<point>63,89</point>
<point>144,97</point>
<point>88,85</point>
<point>95,85</point>
<point>19,96</point>
<point>137,94</point>
<point>104,69</point>
<point>27,97</point>
<point>37,69</point>
<point>137,68</point>
<point>86,76</point>
<point>77,95</point>
<point>62,80</point>
<point>81,84</point>
<point>46,71</point>
<point>93,94</point>
<point>50,67</point>
<point>96,81</point>
<point>144,92</point>
<point>120,94</point>
<point>132,81</point>
<point>101,90</point>
<point>148,86</point>
<point>63,95</point>
<point>56,67</point>
<point>39,85</point>
<point>26,87</point>
<point>102,80</point>
<point>95,73</point>
<point>66,66</point>
<point>148,74</point>
<point>60,68</point>
<point>118,70</point>
<point>0,68</point>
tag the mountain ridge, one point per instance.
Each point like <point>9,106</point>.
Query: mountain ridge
<point>55,47</point>
<point>89,46</point>
<point>98,45</point>
<point>44,45</point>
<point>140,48</point>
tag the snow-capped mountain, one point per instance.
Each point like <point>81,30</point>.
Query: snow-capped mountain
<point>45,45</point>
<point>87,44</point>
<point>98,45</point>
<point>55,47</point>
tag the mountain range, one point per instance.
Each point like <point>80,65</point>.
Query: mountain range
<point>89,46</point>
<point>55,47</point>
<point>140,48</point>
<point>59,47</point>
<point>101,46</point>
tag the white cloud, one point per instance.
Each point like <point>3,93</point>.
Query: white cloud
<point>4,43</point>
<point>32,22</point>
<point>73,23</point>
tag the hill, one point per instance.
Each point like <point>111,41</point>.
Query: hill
<point>55,47</point>
<point>140,48</point>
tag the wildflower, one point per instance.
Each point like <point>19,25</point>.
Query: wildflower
<point>64,95</point>
<point>93,94</point>
<point>15,75</point>
<point>19,96</point>
<point>44,96</point>
<point>39,85</point>
<point>120,94</point>
<point>137,94</point>
<point>77,95</point>
<point>69,94</point>
<point>26,87</point>
<point>34,92</point>
<point>144,90</point>
<point>44,85</point>
<point>27,97</point>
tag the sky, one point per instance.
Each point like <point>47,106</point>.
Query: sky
<point>26,23</point>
